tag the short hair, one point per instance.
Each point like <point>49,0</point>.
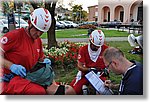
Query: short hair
<point>111,53</point>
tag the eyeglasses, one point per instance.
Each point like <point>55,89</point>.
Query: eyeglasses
<point>108,65</point>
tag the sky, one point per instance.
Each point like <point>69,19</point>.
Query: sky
<point>98,98</point>
<point>85,3</point>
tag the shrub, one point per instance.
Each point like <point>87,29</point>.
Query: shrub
<point>87,26</point>
<point>65,56</point>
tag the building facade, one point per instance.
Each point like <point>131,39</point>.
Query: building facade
<point>120,10</point>
<point>93,13</point>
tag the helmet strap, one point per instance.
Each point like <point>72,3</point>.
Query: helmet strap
<point>30,28</point>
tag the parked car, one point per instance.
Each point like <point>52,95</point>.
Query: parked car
<point>89,23</point>
<point>59,25</point>
<point>1,15</point>
<point>93,23</point>
<point>1,28</point>
<point>24,14</point>
<point>111,24</point>
<point>73,25</point>
<point>23,23</point>
<point>4,23</point>
<point>67,25</point>
<point>4,26</point>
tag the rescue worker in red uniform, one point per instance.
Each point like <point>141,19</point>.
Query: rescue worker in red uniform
<point>21,50</point>
<point>89,57</point>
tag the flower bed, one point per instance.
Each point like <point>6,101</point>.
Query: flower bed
<point>65,56</point>
<point>87,26</point>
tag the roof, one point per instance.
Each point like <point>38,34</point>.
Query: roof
<point>93,6</point>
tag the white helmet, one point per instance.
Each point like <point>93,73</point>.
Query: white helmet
<point>131,40</point>
<point>140,40</point>
<point>41,19</point>
<point>97,38</point>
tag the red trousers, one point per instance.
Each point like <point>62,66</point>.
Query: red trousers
<point>78,86</point>
<point>20,86</point>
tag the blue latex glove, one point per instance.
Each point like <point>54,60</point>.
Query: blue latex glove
<point>47,61</point>
<point>18,70</point>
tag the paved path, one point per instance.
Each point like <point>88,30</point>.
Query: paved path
<point>86,39</point>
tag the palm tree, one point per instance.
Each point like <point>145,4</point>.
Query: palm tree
<point>5,7</point>
<point>77,12</point>
<point>8,10</point>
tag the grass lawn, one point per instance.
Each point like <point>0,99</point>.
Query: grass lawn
<point>67,76</point>
<point>82,33</point>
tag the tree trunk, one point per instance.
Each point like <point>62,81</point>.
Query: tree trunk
<point>34,5</point>
<point>51,32</point>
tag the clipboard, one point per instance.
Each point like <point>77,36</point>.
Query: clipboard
<point>98,84</point>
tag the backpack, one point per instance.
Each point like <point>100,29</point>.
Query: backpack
<point>41,74</point>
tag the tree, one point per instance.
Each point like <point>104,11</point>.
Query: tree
<point>77,12</point>
<point>51,32</point>
<point>8,9</point>
<point>84,15</point>
<point>34,5</point>
<point>5,7</point>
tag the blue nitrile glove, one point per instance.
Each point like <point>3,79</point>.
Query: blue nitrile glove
<point>94,70</point>
<point>47,61</point>
<point>18,70</point>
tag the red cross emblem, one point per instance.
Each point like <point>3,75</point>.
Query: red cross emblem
<point>4,40</point>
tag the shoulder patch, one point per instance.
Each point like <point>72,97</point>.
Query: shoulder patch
<point>4,40</point>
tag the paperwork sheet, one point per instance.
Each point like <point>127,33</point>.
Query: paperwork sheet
<point>98,84</point>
